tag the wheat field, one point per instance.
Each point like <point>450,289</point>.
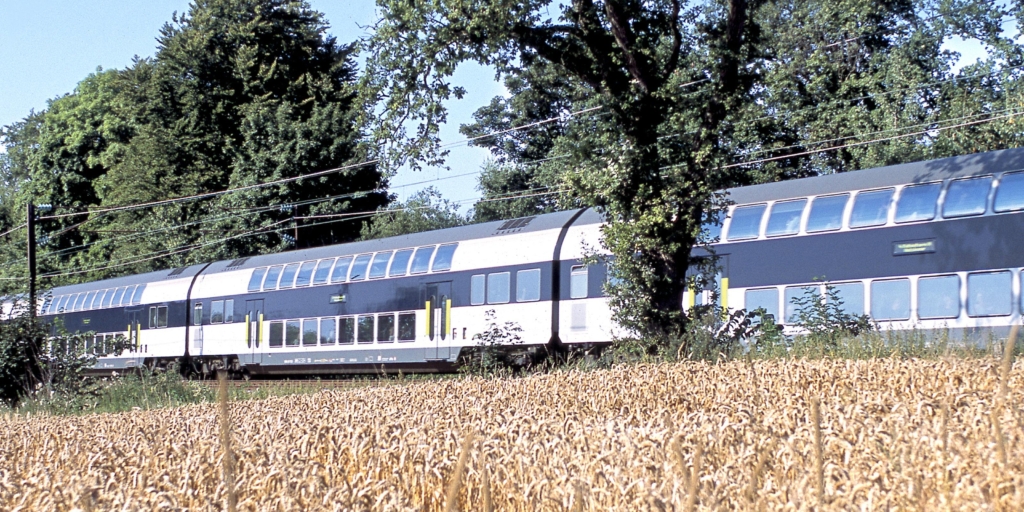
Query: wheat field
<point>773,435</point>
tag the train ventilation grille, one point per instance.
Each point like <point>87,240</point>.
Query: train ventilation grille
<point>237,263</point>
<point>515,224</point>
<point>177,271</point>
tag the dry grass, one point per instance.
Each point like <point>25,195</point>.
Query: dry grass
<point>907,435</point>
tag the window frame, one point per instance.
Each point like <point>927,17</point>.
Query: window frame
<point>276,270</point>
<point>574,272</point>
<point>1009,292</point>
<point>399,328</point>
<point>477,282</point>
<point>999,188</point>
<point>262,273</point>
<point>352,276</point>
<point>288,341</point>
<point>378,268</point>
<point>799,217</point>
<point>985,205</point>
<point>450,258</point>
<point>309,274</point>
<point>306,332</point>
<point>327,271</point>
<point>335,268</point>
<point>872,192</point>
<point>383,319</point>
<point>334,331</point>
<point>430,249</point>
<point>197,314</point>
<point>351,320</point>
<point>529,272</point>
<point>935,202</point>
<point>507,296</point>
<point>360,326</point>
<point>216,310</point>
<point>959,289</point>
<point>909,299</point>
<point>276,325</point>
<point>392,271</point>
<point>729,237</point>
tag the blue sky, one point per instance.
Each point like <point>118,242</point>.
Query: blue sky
<point>48,46</point>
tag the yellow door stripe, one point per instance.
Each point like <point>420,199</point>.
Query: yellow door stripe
<point>428,322</point>
<point>725,293</point>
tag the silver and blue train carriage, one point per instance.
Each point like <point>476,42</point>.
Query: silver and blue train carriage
<point>411,302</point>
<point>935,245</point>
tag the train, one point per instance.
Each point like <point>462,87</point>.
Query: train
<point>933,245</point>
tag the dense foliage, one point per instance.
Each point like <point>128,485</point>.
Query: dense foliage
<point>240,92</point>
<point>424,211</point>
<point>690,98</point>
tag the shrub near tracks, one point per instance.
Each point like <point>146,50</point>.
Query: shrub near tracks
<point>904,434</point>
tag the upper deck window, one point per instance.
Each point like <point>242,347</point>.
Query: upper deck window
<point>137,295</point>
<point>256,279</point>
<point>443,259</point>
<point>1010,193</point>
<point>358,271</point>
<point>109,297</point>
<point>966,197</point>
<point>288,276</point>
<point>323,271</point>
<point>785,218</point>
<point>340,273</point>
<point>305,274</point>
<point>871,208</point>
<point>421,260</point>
<point>380,264</point>
<point>918,202</point>
<point>400,263</point>
<point>827,213</point>
<point>746,222</point>
<point>713,228</point>
<point>270,282</point>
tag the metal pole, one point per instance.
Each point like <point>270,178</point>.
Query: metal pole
<point>31,221</point>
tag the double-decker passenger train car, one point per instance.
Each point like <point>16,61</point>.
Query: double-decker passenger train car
<point>411,303</point>
<point>928,245</point>
<point>935,245</point>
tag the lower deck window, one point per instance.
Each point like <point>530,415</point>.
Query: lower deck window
<point>276,334</point>
<point>890,300</point>
<point>310,335</point>
<point>291,333</point>
<point>938,297</point>
<point>347,331</point>
<point>852,297</point>
<point>498,287</point>
<point>407,327</point>
<point>766,299</point>
<point>528,285</point>
<point>385,328</point>
<point>989,294</point>
<point>327,331</point>
<point>793,295</point>
<point>365,328</point>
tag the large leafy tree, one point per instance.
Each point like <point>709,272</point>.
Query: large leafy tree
<point>686,90</point>
<point>240,92</point>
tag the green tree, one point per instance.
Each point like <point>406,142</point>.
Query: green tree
<point>688,92</point>
<point>426,210</point>
<point>239,92</point>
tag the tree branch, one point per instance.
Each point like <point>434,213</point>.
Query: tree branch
<point>624,37</point>
<point>677,41</point>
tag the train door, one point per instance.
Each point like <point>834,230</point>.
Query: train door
<point>438,307</point>
<point>708,282</point>
<point>197,329</point>
<point>254,330</point>
<point>134,346</point>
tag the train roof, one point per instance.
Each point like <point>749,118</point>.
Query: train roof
<point>902,174</point>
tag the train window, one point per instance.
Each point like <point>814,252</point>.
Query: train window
<point>852,297</point>
<point>340,273</point>
<point>766,299</point>
<point>421,260</point>
<point>323,271</point>
<point>407,327</point>
<point>288,276</point>
<point>63,303</point>
<point>1010,193</point>
<point>713,228</point>
<point>328,333</point>
<point>217,312</point>
<point>229,311</point>
<point>116,299</point>
<point>291,333</point>
<point>364,324</point>
<point>108,297</point>
<point>310,335</point>
<point>305,274</point>
<point>989,294</point>
<point>152,317</point>
<point>161,316</point>
<point>256,279</point>
<point>785,218</point>
<point>497,287</point>
<point>871,208</point>
<point>578,277</point>
<point>88,300</point>
<point>358,271</point>
<point>379,267</point>
<point>938,297</point>
<point>827,213</point>
<point>918,202</point>
<point>746,222</point>
<point>443,259</point>
<point>400,263</point>
<point>197,314</point>
<point>528,285</point>
<point>476,290</point>
<point>794,293</point>
<point>273,274</point>
<point>276,334</point>
<point>890,300</point>
<point>347,331</point>
<point>98,301</point>
<point>386,328</point>
<point>966,197</point>
<point>75,303</point>
<point>137,296</point>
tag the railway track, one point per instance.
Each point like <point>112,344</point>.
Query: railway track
<point>300,385</point>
